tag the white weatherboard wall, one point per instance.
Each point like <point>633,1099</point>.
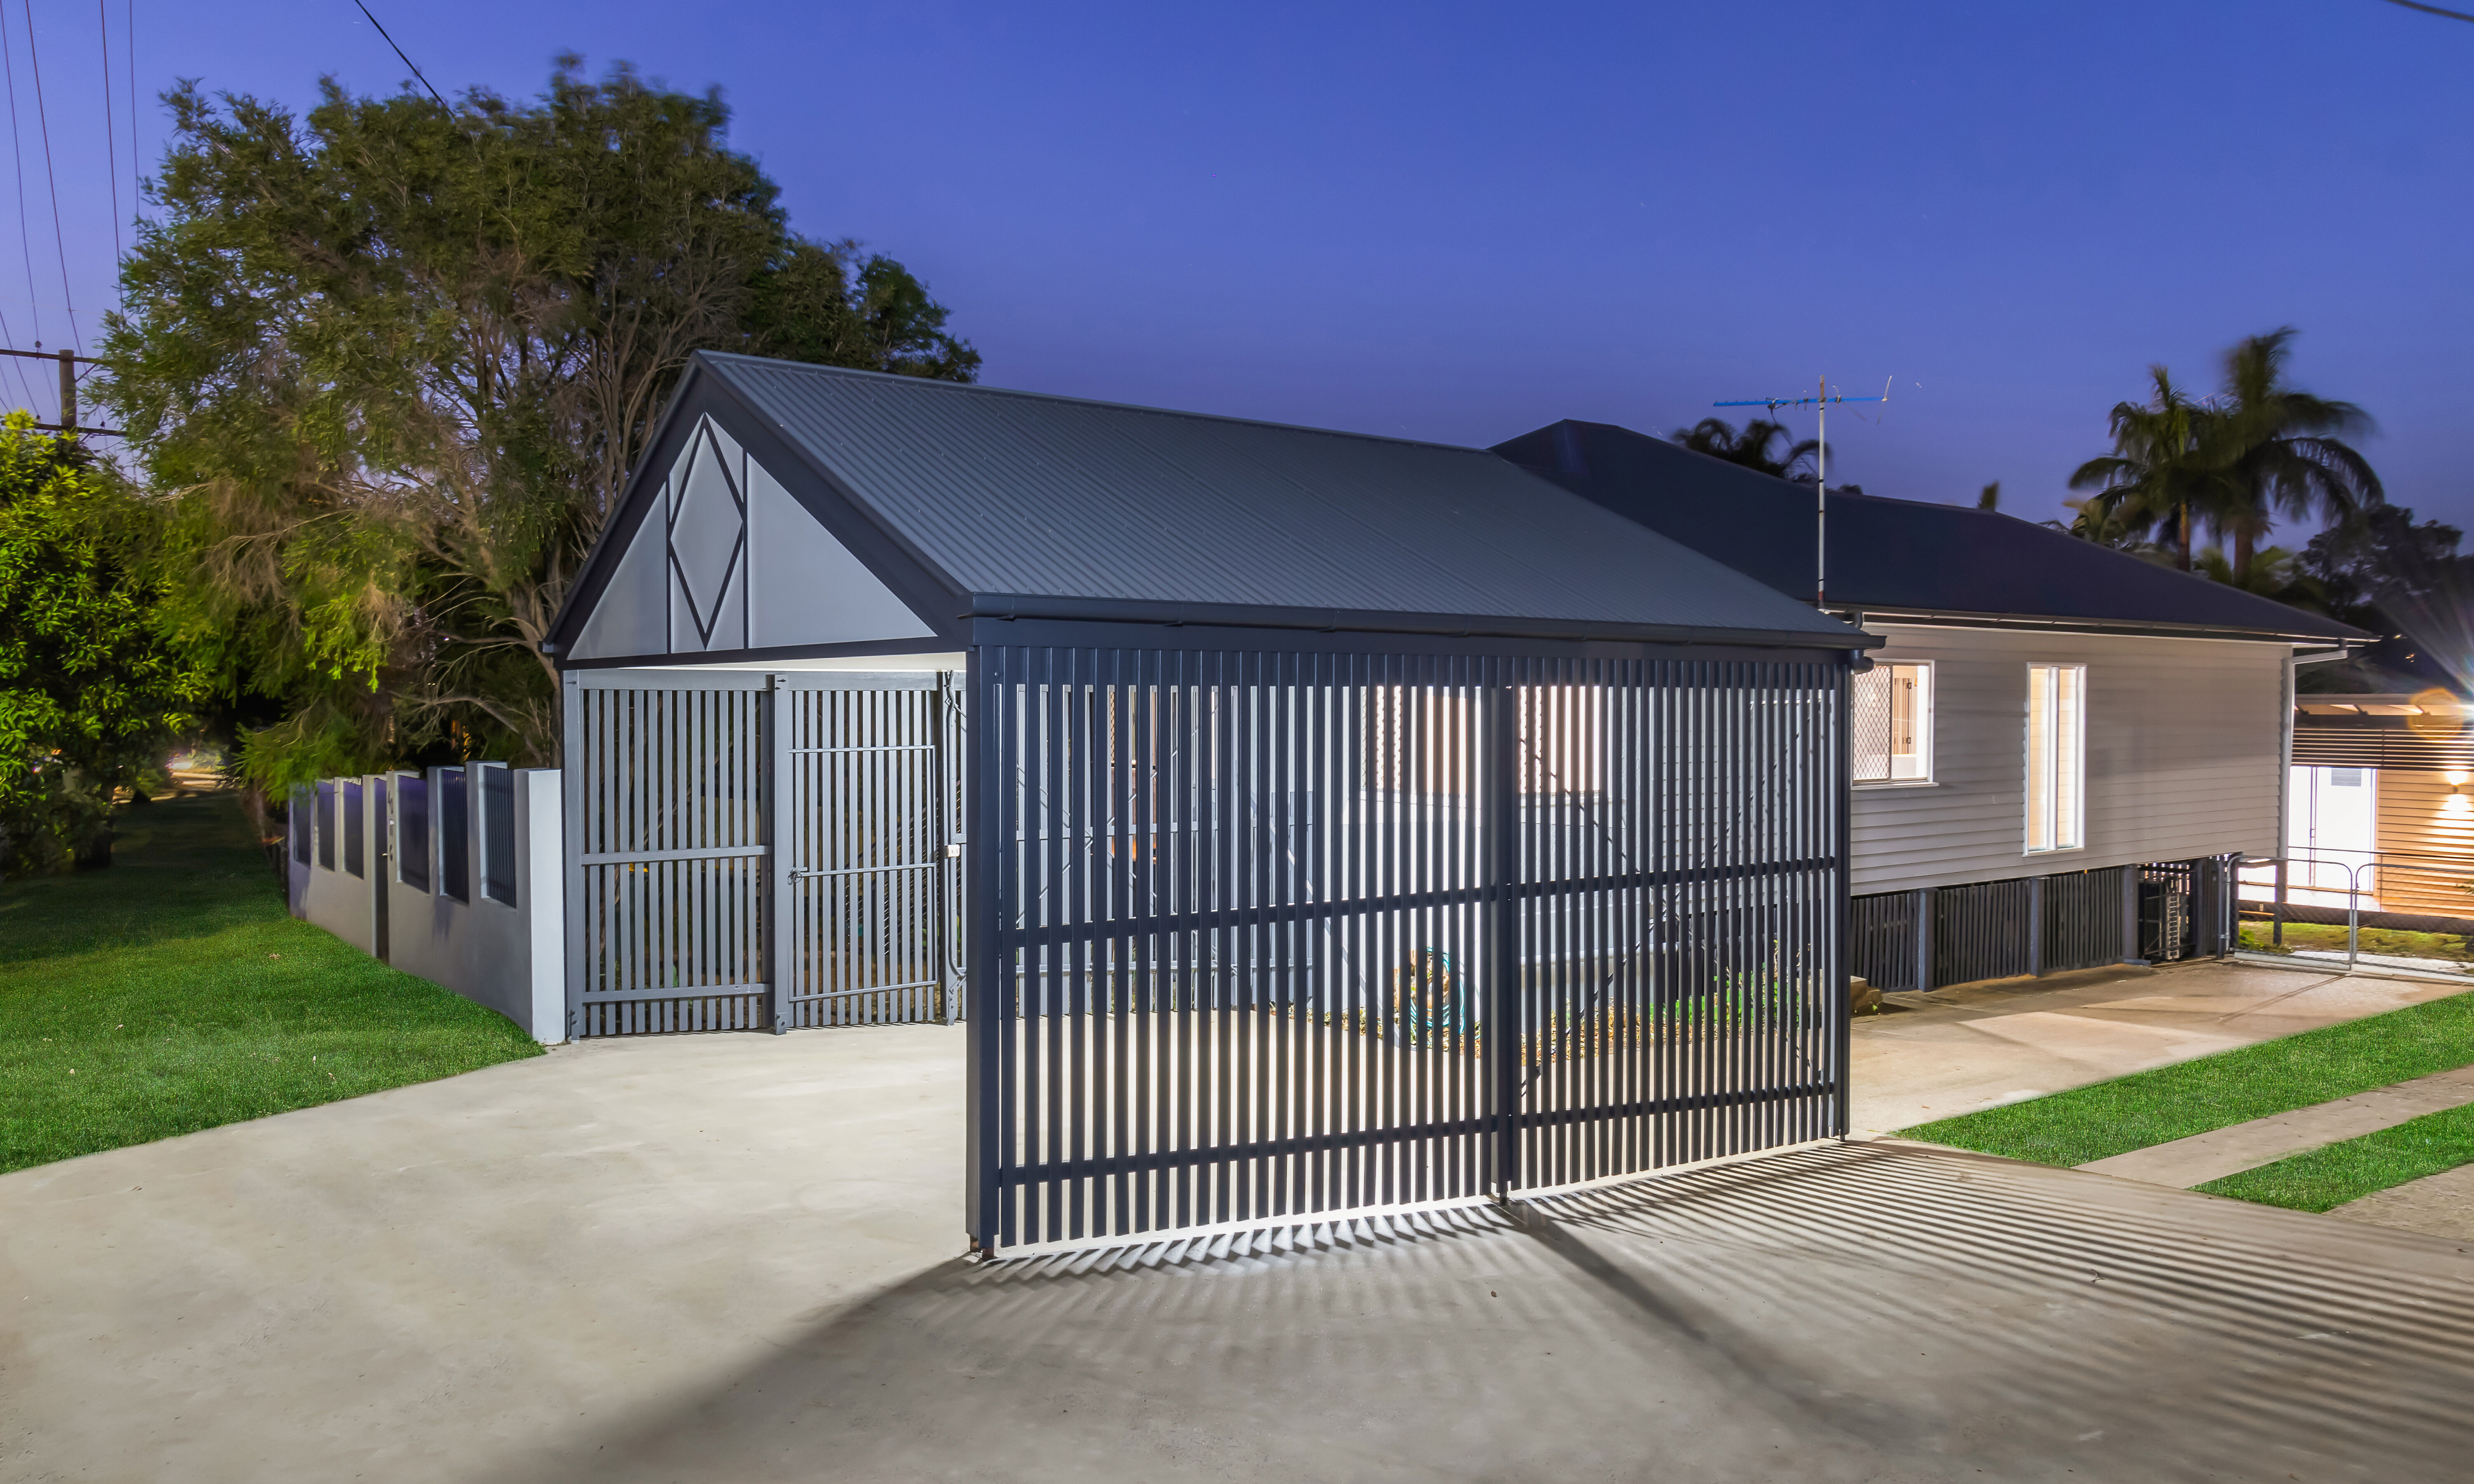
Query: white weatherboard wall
<point>507,956</point>
<point>2185,755</point>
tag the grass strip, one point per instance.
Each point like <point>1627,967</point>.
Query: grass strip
<point>2213,1091</point>
<point>2396,942</point>
<point>2326,1178</point>
<point>171,992</point>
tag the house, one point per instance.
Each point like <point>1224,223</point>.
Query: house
<point>1342,820</point>
<point>2379,816</point>
<point>2059,749</point>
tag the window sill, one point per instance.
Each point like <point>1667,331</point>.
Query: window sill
<point>2059,850</point>
<point>1871,783</point>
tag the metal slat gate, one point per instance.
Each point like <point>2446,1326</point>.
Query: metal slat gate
<point>752,852</point>
<point>1265,934</point>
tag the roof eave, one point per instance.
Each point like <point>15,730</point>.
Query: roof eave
<point>1365,622</point>
<point>2147,628</point>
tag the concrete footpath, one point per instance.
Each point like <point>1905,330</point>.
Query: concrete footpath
<point>2240,1146</point>
<point>1956,1051</point>
<point>732,1257</point>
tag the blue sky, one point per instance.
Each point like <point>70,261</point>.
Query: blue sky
<point>1460,222</point>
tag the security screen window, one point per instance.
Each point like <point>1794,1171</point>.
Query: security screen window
<point>2056,756</point>
<point>1893,723</point>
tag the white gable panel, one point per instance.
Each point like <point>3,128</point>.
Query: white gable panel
<point>630,619</point>
<point>807,587</point>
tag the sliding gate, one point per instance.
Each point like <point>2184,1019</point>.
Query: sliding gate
<point>753,852</point>
<point>1265,935</point>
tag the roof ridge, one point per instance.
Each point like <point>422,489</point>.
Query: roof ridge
<point>1083,401</point>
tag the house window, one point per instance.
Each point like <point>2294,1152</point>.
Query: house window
<point>1893,723</point>
<point>2056,756</point>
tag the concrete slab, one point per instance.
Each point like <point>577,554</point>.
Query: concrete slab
<point>2202,1158</point>
<point>1955,1052</point>
<point>2441,1204</point>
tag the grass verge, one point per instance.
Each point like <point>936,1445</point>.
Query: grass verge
<point>2326,1178</point>
<point>2232,1087</point>
<point>171,992</point>
<point>2255,937</point>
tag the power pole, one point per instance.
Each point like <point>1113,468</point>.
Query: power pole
<point>69,363</point>
<point>68,392</point>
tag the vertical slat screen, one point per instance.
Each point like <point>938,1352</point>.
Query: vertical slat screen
<point>1270,934</point>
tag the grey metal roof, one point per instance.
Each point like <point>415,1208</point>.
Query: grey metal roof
<point>1891,556</point>
<point>1047,497</point>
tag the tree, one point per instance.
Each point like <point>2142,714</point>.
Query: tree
<point>2282,450</point>
<point>1989,499</point>
<point>2380,571</point>
<point>2234,462</point>
<point>392,361</point>
<point>1752,448</point>
<point>88,690</point>
<point>2166,469</point>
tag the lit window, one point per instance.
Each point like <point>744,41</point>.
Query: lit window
<point>2056,756</point>
<point>1893,723</point>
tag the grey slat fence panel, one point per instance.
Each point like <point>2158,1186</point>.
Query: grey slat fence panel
<point>1264,934</point>
<point>753,852</point>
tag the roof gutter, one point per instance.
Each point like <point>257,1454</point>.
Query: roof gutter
<point>1238,615</point>
<point>1947,618</point>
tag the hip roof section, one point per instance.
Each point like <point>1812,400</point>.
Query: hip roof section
<point>1891,556</point>
<point>1002,493</point>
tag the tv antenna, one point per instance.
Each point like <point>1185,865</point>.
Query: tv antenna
<point>1821,401</point>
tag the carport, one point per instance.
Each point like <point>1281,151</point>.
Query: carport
<point>1326,822</point>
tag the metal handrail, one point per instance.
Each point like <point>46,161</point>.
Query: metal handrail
<point>2353,892</point>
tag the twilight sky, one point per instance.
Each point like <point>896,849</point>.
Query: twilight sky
<point>1458,222</point>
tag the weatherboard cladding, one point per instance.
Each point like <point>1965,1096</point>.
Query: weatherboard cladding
<point>1008,494</point>
<point>1893,556</point>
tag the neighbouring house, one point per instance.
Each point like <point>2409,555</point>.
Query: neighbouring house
<point>2381,804</point>
<point>2061,750</point>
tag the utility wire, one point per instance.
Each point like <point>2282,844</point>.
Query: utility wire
<point>110,149</point>
<point>60,239</point>
<point>398,52</point>
<point>25,239</point>
<point>2431,9</point>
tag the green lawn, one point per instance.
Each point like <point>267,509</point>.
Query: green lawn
<point>2374,940</point>
<point>171,992</point>
<point>2326,1178</point>
<point>2232,1087</point>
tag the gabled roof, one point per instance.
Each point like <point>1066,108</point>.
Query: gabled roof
<point>1008,503</point>
<point>1891,557</point>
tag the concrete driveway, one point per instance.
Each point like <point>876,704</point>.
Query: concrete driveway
<point>729,1257</point>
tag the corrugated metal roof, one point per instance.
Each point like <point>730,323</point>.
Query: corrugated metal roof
<point>1016,493</point>
<point>1890,556</point>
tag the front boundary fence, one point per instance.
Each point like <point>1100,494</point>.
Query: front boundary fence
<point>1268,934</point>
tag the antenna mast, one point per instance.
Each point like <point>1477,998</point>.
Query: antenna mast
<point>1820,400</point>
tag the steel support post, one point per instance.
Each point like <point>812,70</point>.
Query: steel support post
<point>988,983</point>
<point>1924,930</point>
<point>774,787</point>
<point>2036,926</point>
<point>1502,1028</point>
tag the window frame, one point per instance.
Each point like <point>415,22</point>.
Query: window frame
<point>1927,735</point>
<point>2076,822</point>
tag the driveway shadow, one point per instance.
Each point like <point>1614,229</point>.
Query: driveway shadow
<point>1855,1313</point>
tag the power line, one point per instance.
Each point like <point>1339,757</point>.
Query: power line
<point>110,149</point>
<point>25,240</point>
<point>399,57</point>
<point>60,238</point>
<point>2431,9</point>
<point>129,56</point>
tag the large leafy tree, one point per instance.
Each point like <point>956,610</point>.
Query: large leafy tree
<point>89,689</point>
<point>1755,447</point>
<point>391,361</point>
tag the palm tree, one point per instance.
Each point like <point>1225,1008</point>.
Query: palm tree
<point>2167,468</point>
<point>2281,448</point>
<point>1717,438</point>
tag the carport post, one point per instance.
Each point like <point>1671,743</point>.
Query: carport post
<point>1500,1042</point>
<point>571,787</point>
<point>775,786</point>
<point>1842,906</point>
<point>989,990</point>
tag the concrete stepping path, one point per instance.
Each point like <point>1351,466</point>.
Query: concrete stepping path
<point>2441,1204</point>
<point>2228,1151</point>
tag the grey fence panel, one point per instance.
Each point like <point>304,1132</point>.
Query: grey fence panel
<point>759,852</point>
<point>1882,940</point>
<point>1268,934</point>
<point>2082,924</point>
<point>1981,931</point>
